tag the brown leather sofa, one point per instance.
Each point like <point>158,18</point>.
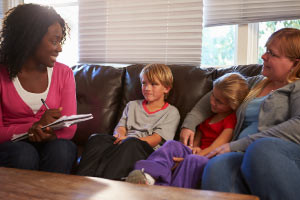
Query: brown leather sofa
<point>104,90</point>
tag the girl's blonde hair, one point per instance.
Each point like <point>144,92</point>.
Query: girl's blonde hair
<point>289,46</point>
<point>158,71</point>
<point>233,87</point>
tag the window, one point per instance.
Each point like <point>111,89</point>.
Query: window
<point>218,45</point>
<point>68,9</point>
<point>247,15</point>
<point>267,28</point>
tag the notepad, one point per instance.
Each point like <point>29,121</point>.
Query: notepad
<point>64,121</point>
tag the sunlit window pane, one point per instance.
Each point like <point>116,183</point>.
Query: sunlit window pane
<point>218,46</point>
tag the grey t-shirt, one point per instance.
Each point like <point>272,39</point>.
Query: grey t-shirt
<point>140,123</point>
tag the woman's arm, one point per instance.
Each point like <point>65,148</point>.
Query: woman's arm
<point>200,112</point>
<point>6,132</point>
<point>67,102</point>
<point>12,124</point>
<point>197,115</point>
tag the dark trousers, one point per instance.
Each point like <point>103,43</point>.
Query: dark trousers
<point>54,156</point>
<point>102,158</point>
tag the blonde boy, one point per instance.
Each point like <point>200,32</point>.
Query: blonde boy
<point>143,127</point>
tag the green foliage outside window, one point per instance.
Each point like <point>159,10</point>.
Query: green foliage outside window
<point>218,45</point>
<point>267,28</point>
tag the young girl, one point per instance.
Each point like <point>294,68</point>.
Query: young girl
<point>175,164</point>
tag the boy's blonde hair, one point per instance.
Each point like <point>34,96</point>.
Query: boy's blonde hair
<point>158,71</point>
<point>289,46</point>
<point>233,87</point>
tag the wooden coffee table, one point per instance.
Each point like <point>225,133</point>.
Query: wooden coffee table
<point>27,184</point>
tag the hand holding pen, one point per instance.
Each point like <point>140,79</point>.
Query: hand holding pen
<point>36,133</point>
<point>50,115</point>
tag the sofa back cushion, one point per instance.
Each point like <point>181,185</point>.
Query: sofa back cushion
<point>98,91</point>
<point>245,70</point>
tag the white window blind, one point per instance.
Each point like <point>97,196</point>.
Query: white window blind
<point>225,12</point>
<point>140,31</point>
<point>5,5</point>
<point>3,8</point>
<point>54,3</point>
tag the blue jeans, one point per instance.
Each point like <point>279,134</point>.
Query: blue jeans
<point>53,156</point>
<point>222,173</point>
<point>270,169</point>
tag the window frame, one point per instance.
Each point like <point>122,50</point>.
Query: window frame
<point>247,35</point>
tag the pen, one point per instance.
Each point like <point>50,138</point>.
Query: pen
<point>43,101</point>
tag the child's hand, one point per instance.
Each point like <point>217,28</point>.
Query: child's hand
<point>119,138</point>
<point>191,147</point>
<point>177,160</point>
<point>196,150</point>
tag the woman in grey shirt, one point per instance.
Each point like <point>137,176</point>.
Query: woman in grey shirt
<point>264,157</point>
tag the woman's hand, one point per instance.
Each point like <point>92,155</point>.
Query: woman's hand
<point>225,148</point>
<point>36,134</point>
<point>50,116</point>
<point>187,137</point>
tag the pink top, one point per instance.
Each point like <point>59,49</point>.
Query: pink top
<point>17,117</point>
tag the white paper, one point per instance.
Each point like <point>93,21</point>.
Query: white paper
<point>64,121</point>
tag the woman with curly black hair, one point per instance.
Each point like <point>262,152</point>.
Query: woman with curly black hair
<point>30,40</point>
